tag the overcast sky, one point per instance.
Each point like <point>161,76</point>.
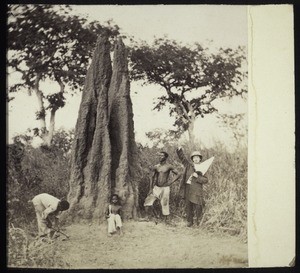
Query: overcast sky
<point>225,26</point>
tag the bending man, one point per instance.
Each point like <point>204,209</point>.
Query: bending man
<point>47,209</point>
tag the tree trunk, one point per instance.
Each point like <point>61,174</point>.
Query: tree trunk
<point>45,134</point>
<point>49,135</point>
<point>191,133</point>
<point>41,109</point>
<point>102,154</point>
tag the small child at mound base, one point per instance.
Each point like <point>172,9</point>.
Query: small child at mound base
<point>113,215</point>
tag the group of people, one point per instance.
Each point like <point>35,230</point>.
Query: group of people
<point>190,189</point>
<point>48,207</point>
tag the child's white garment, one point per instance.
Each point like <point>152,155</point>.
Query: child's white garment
<point>114,221</point>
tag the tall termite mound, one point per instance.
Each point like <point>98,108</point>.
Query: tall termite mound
<point>103,155</point>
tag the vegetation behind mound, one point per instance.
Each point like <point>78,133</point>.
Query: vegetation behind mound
<point>35,170</point>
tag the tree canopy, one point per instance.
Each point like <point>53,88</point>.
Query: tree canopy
<point>192,76</point>
<point>47,42</point>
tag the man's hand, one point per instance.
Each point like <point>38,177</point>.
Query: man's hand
<point>48,224</point>
<point>195,174</point>
<point>56,222</point>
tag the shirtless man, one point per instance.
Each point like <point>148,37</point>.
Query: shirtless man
<point>160,186</point>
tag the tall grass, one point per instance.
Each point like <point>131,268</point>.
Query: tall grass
<point>25,251</point>
<point>226,193</point>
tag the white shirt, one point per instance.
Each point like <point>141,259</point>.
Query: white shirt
<point>48,201</point>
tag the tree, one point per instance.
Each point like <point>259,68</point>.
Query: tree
<point>63,140</point>
<point>192,77</point>
<point>47,43</point>
<point>162,138</point>
<point>234,123</point>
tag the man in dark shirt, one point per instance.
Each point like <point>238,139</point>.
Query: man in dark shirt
<point>191,186</point>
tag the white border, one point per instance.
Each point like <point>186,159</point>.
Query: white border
<point>271,183</point>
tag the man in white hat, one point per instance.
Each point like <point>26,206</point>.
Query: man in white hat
<point>191,186</point>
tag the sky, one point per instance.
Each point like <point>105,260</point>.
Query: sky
<point>214,25</point>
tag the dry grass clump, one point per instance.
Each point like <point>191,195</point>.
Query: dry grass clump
<point>226,194</point>
<point>24,251</point>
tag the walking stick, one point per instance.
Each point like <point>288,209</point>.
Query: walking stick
<point>61,232</point>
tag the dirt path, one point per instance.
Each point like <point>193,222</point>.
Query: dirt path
<point>146,245</point>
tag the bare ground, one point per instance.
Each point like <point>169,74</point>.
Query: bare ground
<point>147,245</point>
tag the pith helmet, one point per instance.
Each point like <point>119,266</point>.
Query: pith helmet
<point>196,153</point>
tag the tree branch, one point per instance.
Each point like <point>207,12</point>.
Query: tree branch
<point>62,86</point>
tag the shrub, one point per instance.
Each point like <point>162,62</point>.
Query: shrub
<point>32,171</point>
<point>25,252</point>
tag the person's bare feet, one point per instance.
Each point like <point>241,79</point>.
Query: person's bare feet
<point>120,232</point>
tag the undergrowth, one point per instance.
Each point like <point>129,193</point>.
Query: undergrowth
<point>25,251</point>
<point>35,170</point>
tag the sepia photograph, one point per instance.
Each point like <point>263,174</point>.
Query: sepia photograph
<point>127,141</point>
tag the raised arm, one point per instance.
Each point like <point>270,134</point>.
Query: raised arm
<point>181,156</point>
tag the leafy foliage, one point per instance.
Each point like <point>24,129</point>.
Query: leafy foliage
<point>161,138</point>
<point>63,140</point>
<point>49,41</point>
<point>35,170</point>
<point>56,100</point>
<point>233,123</point>
<point>192,77</point>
